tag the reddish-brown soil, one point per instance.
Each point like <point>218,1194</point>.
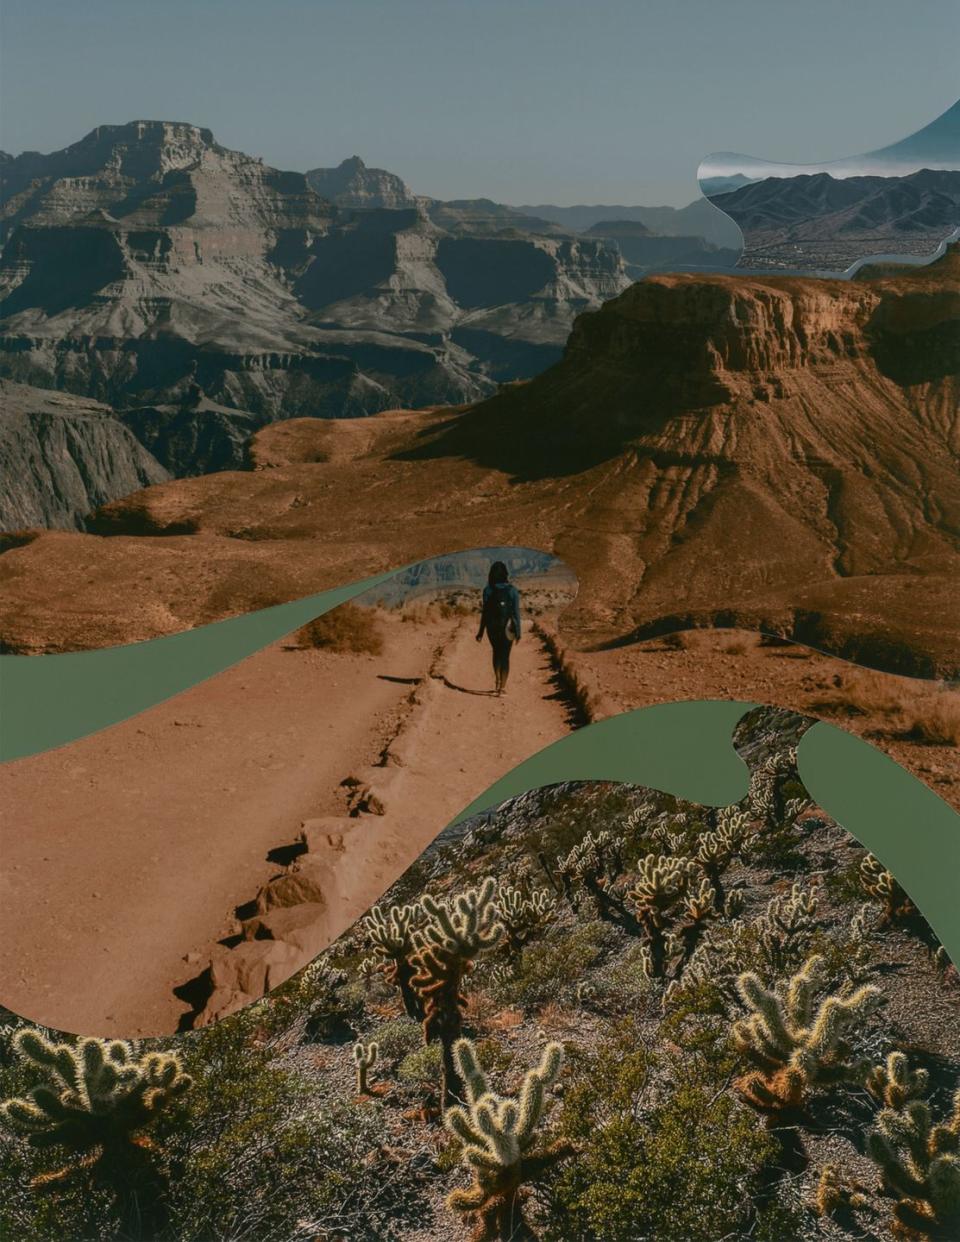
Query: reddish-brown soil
<point>127,853</point>
<point>778,454</point>
<point>892,713</point>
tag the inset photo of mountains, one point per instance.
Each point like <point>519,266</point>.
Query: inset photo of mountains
<point>902,201</point>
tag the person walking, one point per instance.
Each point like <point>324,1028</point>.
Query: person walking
<point>500,620</point>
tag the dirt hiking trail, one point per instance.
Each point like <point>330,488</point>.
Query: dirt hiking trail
<point>127,856</point>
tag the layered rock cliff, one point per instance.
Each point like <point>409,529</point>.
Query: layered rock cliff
<point>353,184</point>
<point>63,456</point>
<point>147,260</point>
<point>772,453</point>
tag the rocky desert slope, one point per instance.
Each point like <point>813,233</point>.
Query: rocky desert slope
<point>774,453</point>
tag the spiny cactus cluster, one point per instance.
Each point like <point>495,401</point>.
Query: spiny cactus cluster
<point>718,847</point>
<point>766,793</point>
<point>786,928</point>
<point>883,887</point>
<point>364,1058</point>
<point>392,934</point>
<point>426,948</point>
<point>99,1098</point>
<point>100,1093</point>
<point>592,866</point>
<point>795,1042</point>
<point>835,1192</point>
<point>920,1163</point>
<point>446,947</point>
<point>500,1145</point>
<point>674,902</point>
<point>523,914</point>
<point>668,839</point>
<point>894,1083</point>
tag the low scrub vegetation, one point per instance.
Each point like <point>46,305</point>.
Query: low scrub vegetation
<point>912,710</point>
<point>597,1015</point>
<point>349,628</point>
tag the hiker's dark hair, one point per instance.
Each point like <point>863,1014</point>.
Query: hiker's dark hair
<point>498,573</point>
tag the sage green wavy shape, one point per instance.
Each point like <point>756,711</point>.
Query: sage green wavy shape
<point>913,832</point>
<point>49,700</point>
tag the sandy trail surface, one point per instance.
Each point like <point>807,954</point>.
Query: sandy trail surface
<point>125,855</point>
<point>463,736</point>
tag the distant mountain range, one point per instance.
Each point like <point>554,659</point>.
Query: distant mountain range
<point>698,219</point>
<point>902,199</point>
<point>198,293</point>
<point>195,289</point>
<point>827,222</point>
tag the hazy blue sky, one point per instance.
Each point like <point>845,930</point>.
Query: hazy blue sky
<point>524,101</point>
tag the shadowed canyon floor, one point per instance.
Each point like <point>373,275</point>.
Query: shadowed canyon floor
<point>126,854</point>
<point>777,454</point>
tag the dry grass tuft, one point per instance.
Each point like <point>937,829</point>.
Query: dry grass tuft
<point>348,628</point>
<point>506,1020</point>
<point>914,710</point>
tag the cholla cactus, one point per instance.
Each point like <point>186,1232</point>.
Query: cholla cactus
<point>364,1058</point>
<point>883,887</point>
<point>663,893</point>
<point>592,865</point>
<point>392,933</point>
<point>894,1082</point>
<point>523,915</point>
<point>836,1192</point>
<point>454,936</point>
<point>500,1144</point>
<point>99,1099</point>
<point>668,840</point>
<point>501,976</point>
<point>949,975</point>
<point>794,808</point>
<point>717,849</point>
<point>786,929</point>
<point>796,1046</point>
<point>919,1162</point>
<point>766,793</point>
<point>587,994</point>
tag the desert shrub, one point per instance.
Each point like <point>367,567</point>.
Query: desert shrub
<point>551,966</point>
<point>249,1125</point>
<point>624,985</point>
<point>253,1124</point>
<point>397,1039</point>
<point>676,1162</point>
<point>422,1067</point>
<point>348,628</point>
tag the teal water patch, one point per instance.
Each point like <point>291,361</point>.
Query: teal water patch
<point>49,700</point>
<point>913,832</point>
<point>684,748</point>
